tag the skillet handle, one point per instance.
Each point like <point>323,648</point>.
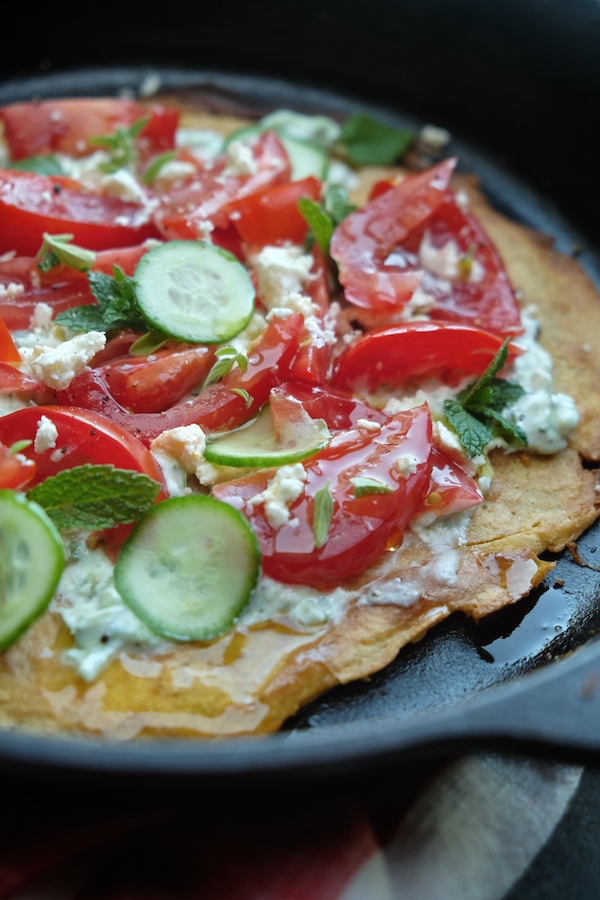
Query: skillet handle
<point>551,711</point>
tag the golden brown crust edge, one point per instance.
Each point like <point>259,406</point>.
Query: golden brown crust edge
<point>535,504</point>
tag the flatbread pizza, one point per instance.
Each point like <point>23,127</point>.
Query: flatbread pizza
<point>268,415</point>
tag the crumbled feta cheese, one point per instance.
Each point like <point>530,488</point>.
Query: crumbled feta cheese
<point>186,443</point>
<point>368,425</point>
<point>57,366</point>
<point>172,174</point>
<point>282,273</point>
<point>11,291</point>
<point>445,261</point>
<point>286,486</point>
<point>41,320</point>
<point>240,160</point>
<point>201,142</point>
<point>45,436</point>
<point>406,465</point>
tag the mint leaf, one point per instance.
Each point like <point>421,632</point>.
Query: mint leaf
<point>148,343</point>
<point>117,305</point>
<point>227,357</point>
<point>156,165</point>
<point>510,429</point>
<point>57,248</point>
<point>483,402</point>
<point>496,365</point>
<point>120,146</point>
<point>322,514</point>
<point>323,217</point>
<point>368,142</point>
<point>319,222</point>
<point>336,203</point>
<point>472,433</point>
<point>41,164</point>
<point>81,318</point>
<point>95,497</point>
<point>365,486</point>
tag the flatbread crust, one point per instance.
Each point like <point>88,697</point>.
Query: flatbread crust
<point>250,681</point>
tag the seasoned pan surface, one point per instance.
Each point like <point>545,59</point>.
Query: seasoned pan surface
<point>403,710</point>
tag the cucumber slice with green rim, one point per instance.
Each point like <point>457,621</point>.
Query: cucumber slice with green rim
<point>306,158</point>
<point>259,444</point>
<point>194,292</point>
<point>189,567</point>
<point>32,559</point>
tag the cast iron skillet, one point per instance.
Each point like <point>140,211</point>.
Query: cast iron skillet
<point>516,89</point>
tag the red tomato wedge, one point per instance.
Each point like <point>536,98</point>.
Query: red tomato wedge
<point>16,470</point>
<point>451,489</point>
<point>364,239</point>
<point>212,196</point>
<point>341,410</point>
<point>398,353</point>
<point>83,437</point>
<point>361,527</point>
<point>313,362</point>
<point>18,306</point>
<point>14,382</point>
<point>31,204</point>
<point>8,349</point>
<point>217,407</point>
<point>271,216</point>
<point>153,383</point>
<point>66,125</point>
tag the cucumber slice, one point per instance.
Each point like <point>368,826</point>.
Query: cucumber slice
<point>260,443</point>
<point>32,559</point>
<point>175,570</point>
<point>194,292</point>
<point>306,158</point>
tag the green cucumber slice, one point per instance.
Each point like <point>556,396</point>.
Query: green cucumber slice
<point>32,559</point>
<point>175,570</point>
<point>260,444</point>
<point>194,292</point>
<point>306,158</point>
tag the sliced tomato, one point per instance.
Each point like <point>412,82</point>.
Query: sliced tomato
<point>484,296</point>
<point>12,381</point>
<point>153,383</point>
<point>341,410</point>
<point>116,346</point>
<point>271,216</point>
<point>362,242</point>
<point>83,437</point>
<point>212,196</point>
<point>9,352</point>
<point>398,353</point>
<point>312,364</point>
<point>66,125</point>
<point>361,528</point>
<point>18,306</point>
<point>31,204</point>
<point>216,408</point>
<point>126,258</point>
<point>16,470</point>
<point>451,489</point>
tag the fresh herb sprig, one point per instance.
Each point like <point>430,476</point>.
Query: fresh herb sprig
<point>95,497</point>
<point>59,249</point>
<point>324,216</point>
<point>227,357</point>
<point>120,146</point>
<point>322,514</point>
<point>116,305</point>
<point>367,141</point>
<point>476,415</point>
